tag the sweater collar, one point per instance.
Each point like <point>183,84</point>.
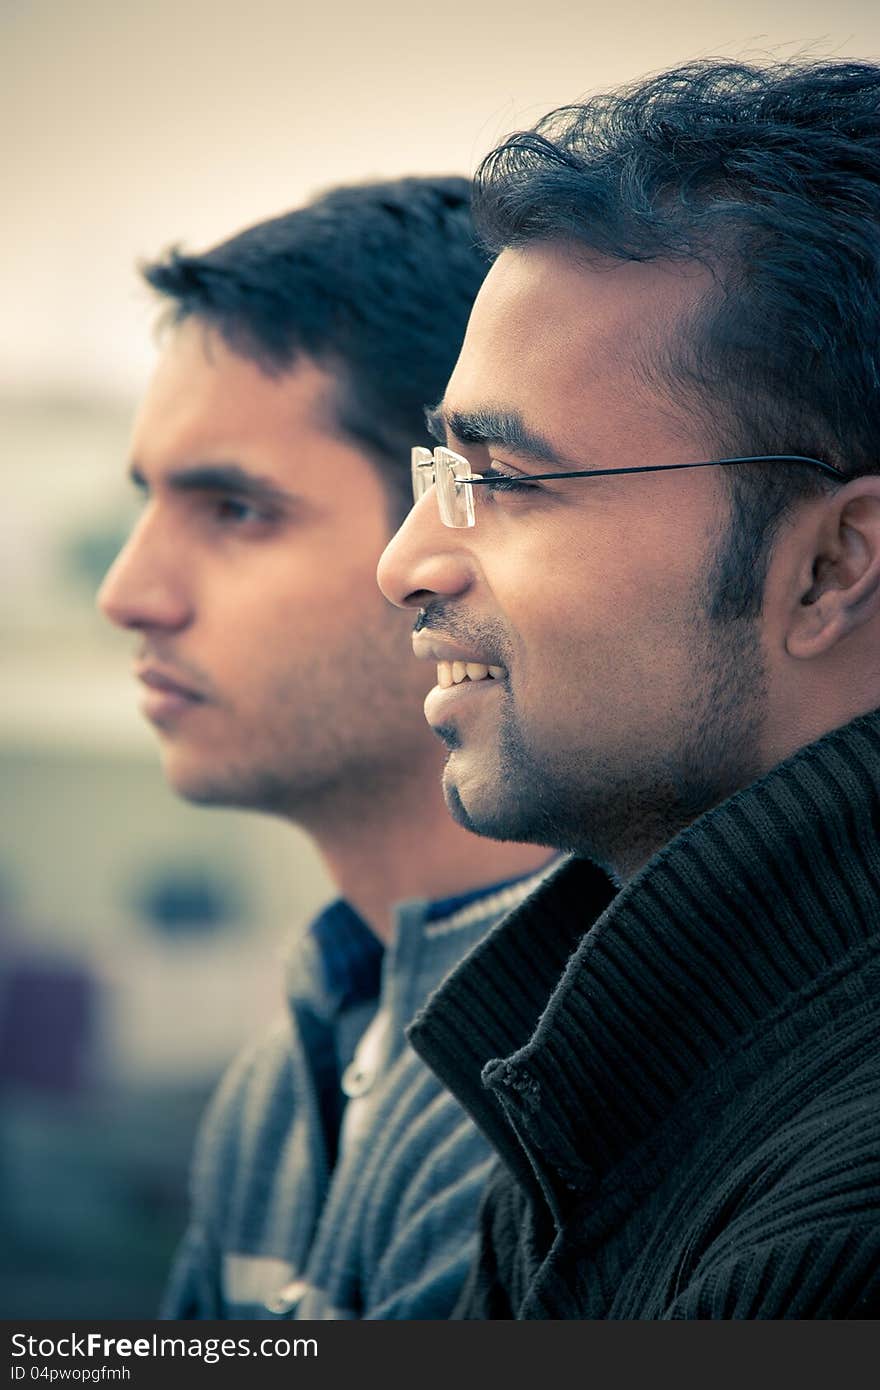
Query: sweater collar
<point>580,1025</point>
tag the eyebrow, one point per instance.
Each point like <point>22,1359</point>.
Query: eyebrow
<point>218,477</point>
<point>500,427</point>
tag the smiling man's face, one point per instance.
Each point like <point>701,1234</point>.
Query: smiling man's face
<point>617,710</point>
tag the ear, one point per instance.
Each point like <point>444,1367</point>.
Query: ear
<point>839,585</point>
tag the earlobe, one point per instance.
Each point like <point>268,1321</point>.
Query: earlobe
<point>842,590</point>
<point>815,628</point>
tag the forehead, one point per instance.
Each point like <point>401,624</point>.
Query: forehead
<point>205,401</point>
<point>570,342</point>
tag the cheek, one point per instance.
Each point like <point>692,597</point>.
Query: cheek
<point>319,615</point>
<point>314,588</point>
<point>605,632</point>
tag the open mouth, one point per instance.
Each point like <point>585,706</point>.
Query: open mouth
<point>451,673</point>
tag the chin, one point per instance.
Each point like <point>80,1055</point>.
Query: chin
<point>199,793</point>
<point>456,807</point>
<point>195,783</point>
<point>478,810</point>
<point>242,788</point>
<point>506,807</point>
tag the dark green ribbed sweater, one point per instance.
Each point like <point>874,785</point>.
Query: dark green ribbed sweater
<point>682,1080</point>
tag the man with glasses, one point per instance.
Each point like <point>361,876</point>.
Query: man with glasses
<point>650,536</point>
<point>333,1177</point>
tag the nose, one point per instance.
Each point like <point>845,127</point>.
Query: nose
<point>425,559</point>
<point>146,588</point>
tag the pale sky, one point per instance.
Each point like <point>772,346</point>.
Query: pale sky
<point>128,125</point>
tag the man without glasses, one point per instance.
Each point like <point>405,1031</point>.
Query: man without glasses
<point>334,1177</point>
<point>655,515</point>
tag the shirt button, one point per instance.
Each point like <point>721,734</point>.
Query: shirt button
<point>356,1080</point>
<point>286,1299</point>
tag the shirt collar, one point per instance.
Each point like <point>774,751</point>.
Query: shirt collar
<point>351,955</point>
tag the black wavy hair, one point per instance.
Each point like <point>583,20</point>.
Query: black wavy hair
<point>769,175</point>
<point>374,281</point>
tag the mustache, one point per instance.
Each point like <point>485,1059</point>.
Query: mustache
<point>437,616</point>
<point>444,617</point>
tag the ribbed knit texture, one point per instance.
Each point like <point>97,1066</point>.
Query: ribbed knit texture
<point>689,1117</point>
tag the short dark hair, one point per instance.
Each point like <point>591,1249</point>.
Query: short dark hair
<point>374,281</point>
<point>770,175</point>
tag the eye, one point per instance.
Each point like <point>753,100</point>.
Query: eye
<point>237,512</point>
<point>502,480</point>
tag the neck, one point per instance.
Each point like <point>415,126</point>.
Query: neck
<point>382,844</point>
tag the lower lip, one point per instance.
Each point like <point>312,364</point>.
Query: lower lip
<point>440,703</point>
<point>161,706</point>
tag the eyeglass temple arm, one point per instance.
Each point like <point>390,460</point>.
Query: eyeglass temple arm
<point>669,467</point>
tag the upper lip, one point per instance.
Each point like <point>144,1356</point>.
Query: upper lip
<point>161,678</point>
<point>429,647</point>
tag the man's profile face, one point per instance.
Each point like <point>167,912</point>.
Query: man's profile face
<point>622,711</point>
<point>272,669</point>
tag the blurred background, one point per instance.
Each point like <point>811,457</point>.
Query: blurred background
<point>141,939</point>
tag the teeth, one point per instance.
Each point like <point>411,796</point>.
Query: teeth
<point>451,673</point>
